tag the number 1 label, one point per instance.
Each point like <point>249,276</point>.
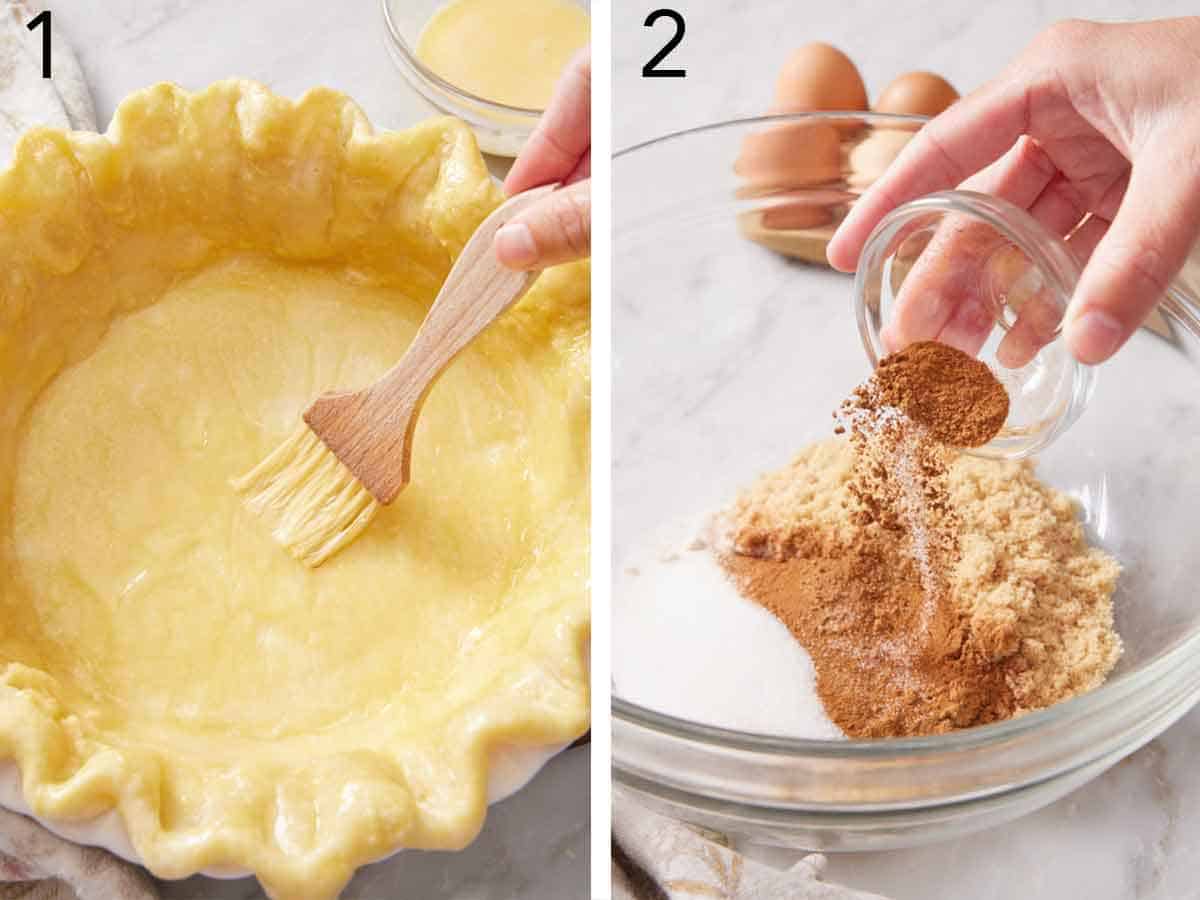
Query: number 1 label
<point>40,20</point>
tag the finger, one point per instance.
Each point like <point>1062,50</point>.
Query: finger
<point>947,275</point>
<point>556,230</point>
<point>582,171</point>
<point>1083,240</point>
<point>971,323</point>
<point>1060,206</point>
<point>1143,250</point>
<point>1038,316</point>
<point>972,133</point>
<point>944,278</point>
<point>1107,204</point>
<point>1063,204</point>
<point>563,135</point>
<point>1020,176</point>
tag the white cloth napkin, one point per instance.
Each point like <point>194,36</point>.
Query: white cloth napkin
<point>37,865</point>
<point>27,99</point>
<point>655,858</point>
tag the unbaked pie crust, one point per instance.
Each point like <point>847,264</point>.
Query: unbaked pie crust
<point>172,294</point>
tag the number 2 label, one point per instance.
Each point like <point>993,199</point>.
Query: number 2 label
<point>651,69</point>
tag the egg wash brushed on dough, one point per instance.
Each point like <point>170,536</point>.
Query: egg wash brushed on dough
<point>320,489</point>
<point>310,502</point>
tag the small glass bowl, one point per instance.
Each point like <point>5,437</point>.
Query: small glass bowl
<point>1000,282</point>
<point>501,130</point>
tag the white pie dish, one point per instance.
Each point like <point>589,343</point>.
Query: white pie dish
<point>511,769</point>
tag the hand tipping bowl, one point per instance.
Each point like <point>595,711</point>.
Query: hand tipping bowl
<point>983,275</point>
<point>761,348</point>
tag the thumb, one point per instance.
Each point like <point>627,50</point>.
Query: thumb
<point>556,230</point>
<point>1147,244</point>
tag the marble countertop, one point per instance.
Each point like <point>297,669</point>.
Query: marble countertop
<point>732,49</point>
<point>1134,832</point>
<point>534,845</point>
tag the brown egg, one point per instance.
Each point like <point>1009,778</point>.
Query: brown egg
<point>917,94</point>
<point>790,156</point>
<point>818,77</point>
<point>870,157</point>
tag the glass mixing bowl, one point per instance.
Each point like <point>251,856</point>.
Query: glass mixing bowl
<point>729,357</point>
<point>500,129</point>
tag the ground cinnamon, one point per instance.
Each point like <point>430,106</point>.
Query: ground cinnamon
<point>956,397</point>
<point>888,663</point>
<point>891,653</point>
<point>926,605</point>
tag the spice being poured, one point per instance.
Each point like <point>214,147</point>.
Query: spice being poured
<point>952,397</point>
<point>933,590</point>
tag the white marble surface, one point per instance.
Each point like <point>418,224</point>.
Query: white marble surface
<point>1135,831</point>
<point>534,845</point>
<point>733,48</point>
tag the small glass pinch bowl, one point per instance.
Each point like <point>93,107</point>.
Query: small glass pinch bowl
<point>981,274</point>
<point>731,350</point>
<point>500,129</point>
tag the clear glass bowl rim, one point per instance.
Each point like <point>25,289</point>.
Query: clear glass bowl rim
<point>1180,308</point>
<point>427,74</point>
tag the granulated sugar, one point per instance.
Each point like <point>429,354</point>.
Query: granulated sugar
<point>686,643</point>
<point>900,471</point>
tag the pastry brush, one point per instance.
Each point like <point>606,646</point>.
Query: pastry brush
<point>322,486</point>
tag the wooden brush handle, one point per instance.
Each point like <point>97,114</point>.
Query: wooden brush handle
<point>371,431</point>
<point>477,290</point>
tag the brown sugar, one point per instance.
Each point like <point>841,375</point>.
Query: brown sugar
<point>890,658</point>
<point>1026,620</point>
<point>933,590</point>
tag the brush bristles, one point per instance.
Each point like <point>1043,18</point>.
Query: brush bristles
<point>310,502</point>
